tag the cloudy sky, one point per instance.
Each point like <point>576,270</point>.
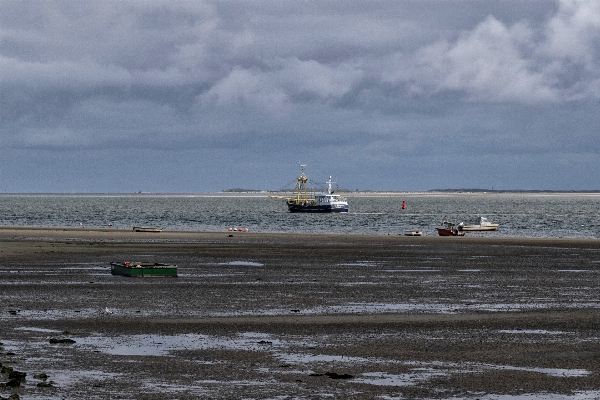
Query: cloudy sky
<point>201,96</point>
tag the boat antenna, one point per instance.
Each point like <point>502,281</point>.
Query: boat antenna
<point>329,182</point>
<point>302,166</point>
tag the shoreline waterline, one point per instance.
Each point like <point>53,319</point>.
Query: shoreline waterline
<point>169,236</point>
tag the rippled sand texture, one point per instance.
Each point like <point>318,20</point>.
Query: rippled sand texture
<point>302,316</point>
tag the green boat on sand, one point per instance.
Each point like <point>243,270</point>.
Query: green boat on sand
<point>143,269</point>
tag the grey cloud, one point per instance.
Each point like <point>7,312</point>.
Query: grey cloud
<point>368,81</point>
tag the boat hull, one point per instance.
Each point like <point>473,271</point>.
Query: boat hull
<point>143,269</point>
<point>325,208</point>
<point>448,232</point>
<point>479,228</point>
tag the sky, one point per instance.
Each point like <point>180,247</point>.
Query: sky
<point>203,96</point>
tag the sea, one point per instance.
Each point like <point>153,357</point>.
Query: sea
<point>568,215</point>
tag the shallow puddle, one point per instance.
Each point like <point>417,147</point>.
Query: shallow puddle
<point>160,345</point>
<point>410,270</point>
<point>533,332</point>
<point>408,379</point>
<point>359,264</point>
<point>243,263</point>
<point>582,395</point>
<point>33,329</point>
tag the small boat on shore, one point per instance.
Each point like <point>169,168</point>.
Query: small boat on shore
<point>146,229</point>
<point>304,200</point>
<point>412,232</point>
<point>143,269</point>
<point>481,225</point>
<point>448,229</point>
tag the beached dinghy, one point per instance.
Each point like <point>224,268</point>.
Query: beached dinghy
<point>142,269</point>
<point>448,229</point>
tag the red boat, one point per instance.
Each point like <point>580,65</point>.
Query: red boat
<point>448,229</point>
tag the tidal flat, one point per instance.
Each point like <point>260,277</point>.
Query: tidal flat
<point>298,316</point>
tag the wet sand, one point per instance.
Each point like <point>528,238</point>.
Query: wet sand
<point>256,315</point>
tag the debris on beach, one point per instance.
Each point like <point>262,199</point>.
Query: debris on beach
<point>61,341</point>
<point>14,377</point>
<point>334,375</point>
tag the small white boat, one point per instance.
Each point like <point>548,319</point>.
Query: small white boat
<point>481,225</point>
<point>412,232</point>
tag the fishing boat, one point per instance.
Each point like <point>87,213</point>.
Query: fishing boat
<point>305,200</point>
<point>481,225</point>
<point>412,232</point>
<point>448,229</point>
<point>142,269</point>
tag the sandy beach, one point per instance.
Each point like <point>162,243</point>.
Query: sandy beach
<point>255,315</point>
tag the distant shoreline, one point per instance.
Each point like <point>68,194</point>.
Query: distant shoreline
<point>341,192</point>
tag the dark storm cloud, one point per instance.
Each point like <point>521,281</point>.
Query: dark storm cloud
<point>366,82</point>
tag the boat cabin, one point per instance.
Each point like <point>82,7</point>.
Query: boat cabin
<point>321,198</point>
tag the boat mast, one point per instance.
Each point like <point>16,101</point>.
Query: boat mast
<point>329,182</point>
<point>301,185</point>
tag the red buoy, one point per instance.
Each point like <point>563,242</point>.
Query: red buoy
<point>403,205</point>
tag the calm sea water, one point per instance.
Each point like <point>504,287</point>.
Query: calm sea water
<point>574,216</point>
